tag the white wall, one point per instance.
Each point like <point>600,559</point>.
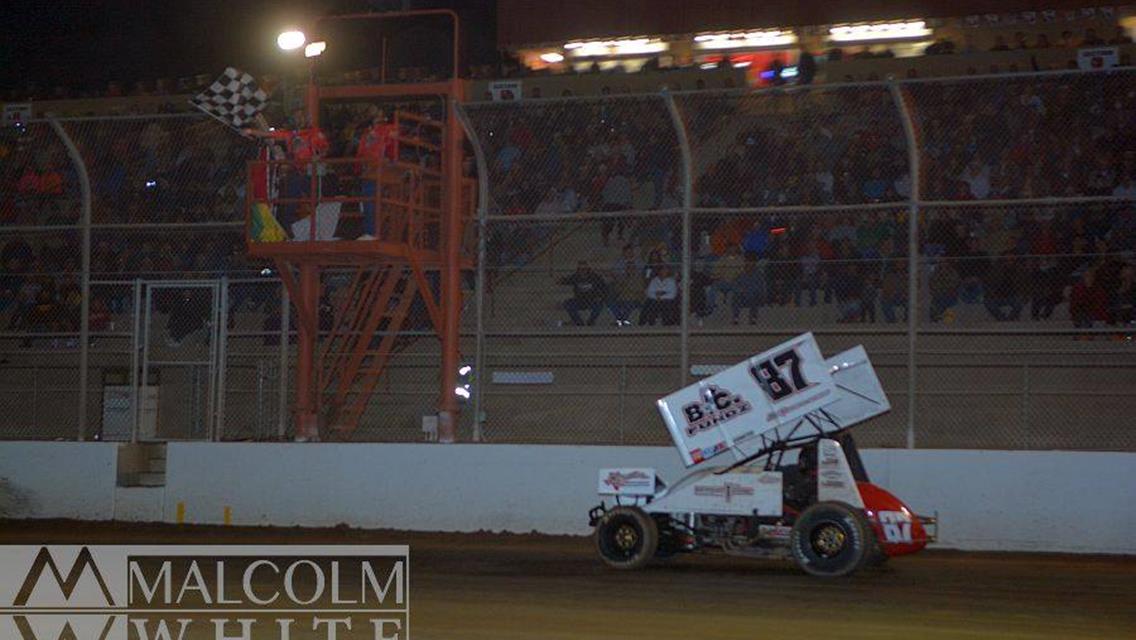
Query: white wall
<point>990,500</point>
<point>57,479</point>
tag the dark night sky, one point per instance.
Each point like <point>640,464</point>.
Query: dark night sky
<point>86,43</point>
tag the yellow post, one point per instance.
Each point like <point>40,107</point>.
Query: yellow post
<point>228,516</point>
<point>181,513</point>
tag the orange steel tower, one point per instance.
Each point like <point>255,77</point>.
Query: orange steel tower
<point>418,210</point>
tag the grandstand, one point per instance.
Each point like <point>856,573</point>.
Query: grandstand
<point>777,209</point>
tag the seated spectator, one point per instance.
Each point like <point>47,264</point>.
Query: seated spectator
<point>973,269</point>
<point>977,179</point>
<point>1088,302</point>
<point>939,47</point>
<point>661,302</point>
<point>588,292</point>
<point>1004,288</point>
<point>847,282</point>
<point>626,292</point>
<point>809,273</point>
<point>700,282</point>
<point>943,285</point>
<point>1000,44</point>
<point>1042,42</point>
<point>627,259</point>
<point>1047,285</point>
<point>1123,297</point>
<point>892,279</point>
<point>1126,188</point>
<point>875,187</point>
<point>725,271</point>
<point>749,289</point>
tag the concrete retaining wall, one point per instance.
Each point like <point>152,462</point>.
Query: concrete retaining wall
<point>987,500</point>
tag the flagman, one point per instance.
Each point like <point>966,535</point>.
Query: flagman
<point>304,145</point>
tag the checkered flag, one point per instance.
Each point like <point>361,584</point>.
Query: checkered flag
<point>234,98</point>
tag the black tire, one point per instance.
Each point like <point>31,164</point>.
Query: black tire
<point>831,539</point>
<point>626,538</point>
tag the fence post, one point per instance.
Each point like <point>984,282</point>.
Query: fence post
<point>479,373</point>
<point>282,367</point>
<point>912,256</point>
<point>136,393</point>
<point>85,270</point>
<point>222,357</point>
<point>687,204</point>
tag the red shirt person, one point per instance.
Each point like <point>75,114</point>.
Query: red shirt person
<point>378,142</point>
<point>302,146</point>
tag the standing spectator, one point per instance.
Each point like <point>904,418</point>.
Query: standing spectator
<point>588,292</point>
<point>749,289</point>
<point>617,196</point>
<point>661,302</point>
<point>1088,302</point>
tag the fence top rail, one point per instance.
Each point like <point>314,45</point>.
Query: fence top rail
<point>185,115</point>
<point>787,90</point>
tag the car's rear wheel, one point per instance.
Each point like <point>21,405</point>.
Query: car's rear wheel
<point>831,539</point>
<point>626,538</point>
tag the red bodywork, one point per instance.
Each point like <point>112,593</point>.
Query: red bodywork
<point>898,529</point>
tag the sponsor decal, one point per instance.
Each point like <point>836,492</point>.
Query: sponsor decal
<point>618,481</point>
<point>726,491</point>
<point>208,592</point>
<point>698,455</point>
<point>718,405</point>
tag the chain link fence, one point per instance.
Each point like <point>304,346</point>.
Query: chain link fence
<point>976,235</point>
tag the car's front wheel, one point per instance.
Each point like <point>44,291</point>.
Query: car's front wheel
<point>626,538</point>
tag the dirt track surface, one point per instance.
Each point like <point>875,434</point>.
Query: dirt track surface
<point>503,587</point>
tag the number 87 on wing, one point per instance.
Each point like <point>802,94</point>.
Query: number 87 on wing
<point>794,379</point>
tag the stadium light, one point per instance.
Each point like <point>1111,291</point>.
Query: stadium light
<point>624,47</point>
<point>291,40</point>
<point>879,31</point>
<point>314,49</point>
<point>747,40</point>
<point>552,57</point>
